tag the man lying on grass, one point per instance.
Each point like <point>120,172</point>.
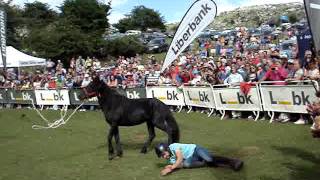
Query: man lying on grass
<point>192,156</point>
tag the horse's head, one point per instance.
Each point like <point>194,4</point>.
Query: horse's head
<point>93,89</point>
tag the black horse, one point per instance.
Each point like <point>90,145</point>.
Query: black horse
<point>122,111</point>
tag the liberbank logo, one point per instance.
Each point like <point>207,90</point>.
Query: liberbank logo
<point>192,27</point>
<point>3,35</point>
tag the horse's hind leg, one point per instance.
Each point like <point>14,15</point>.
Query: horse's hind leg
<point>117,140</point>
<point>152,135</point>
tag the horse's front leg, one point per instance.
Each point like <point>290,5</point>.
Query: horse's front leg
<point>152,135</point>
<point>117,140</point>
<point>110,147</point>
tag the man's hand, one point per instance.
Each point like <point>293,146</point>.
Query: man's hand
<point>166,171</point>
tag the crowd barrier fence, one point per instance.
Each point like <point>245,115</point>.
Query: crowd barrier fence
<point>262,97</point>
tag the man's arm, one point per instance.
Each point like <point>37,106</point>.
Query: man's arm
<point>178,164</point>
<point>266,76</point>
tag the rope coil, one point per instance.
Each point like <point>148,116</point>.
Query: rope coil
<point>57,123</point>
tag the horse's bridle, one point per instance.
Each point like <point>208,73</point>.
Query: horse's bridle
<point>87,94</point>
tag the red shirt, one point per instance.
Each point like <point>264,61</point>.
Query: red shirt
<point>256,61</point>
<point>52,84</point>
<point>279,75</point>
<point>185,78</point>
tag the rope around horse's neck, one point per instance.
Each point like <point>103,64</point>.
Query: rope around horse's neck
<point>56,123</point>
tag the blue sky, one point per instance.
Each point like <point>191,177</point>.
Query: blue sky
<point>172,10</point>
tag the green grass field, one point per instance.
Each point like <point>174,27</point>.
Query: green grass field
<point>78,149</point>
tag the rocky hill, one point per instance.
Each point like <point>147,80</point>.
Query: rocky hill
<point>253,16</point>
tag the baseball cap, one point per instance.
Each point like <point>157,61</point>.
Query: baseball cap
<point>290,61</point>
<point>283,56</point>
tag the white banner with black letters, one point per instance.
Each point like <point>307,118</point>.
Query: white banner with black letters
<point>234,99</point>
<point>3,37</point>
<point>52,97</point>
<point>170,95</point>
<point>197,18</point>
<point>290,98</point>
<point>198,96</point>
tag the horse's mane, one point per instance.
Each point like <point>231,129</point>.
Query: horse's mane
<point>113,91</point>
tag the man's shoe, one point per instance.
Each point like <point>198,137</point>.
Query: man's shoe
<point>237,165</point>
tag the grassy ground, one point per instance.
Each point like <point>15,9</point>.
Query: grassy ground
<point>78,151</point>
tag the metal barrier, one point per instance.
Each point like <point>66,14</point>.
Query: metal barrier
<point>230,97</point>
<point>269,96</point>
<point>199,96</point>
<point>291,98</point>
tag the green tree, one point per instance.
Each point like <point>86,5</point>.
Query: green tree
<point>124,24</point>
<point>293,18</point>
<point>141,18</point>
<point>89,15</point>
<point>78,30</point>
<point>38,14</point>
<point>126,46</point>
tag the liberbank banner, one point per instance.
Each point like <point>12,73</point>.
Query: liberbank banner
<point>199,96</point>
<point>291,98</point>
<point>170,95</point>
<point>197,18</point>
<point>3,37</point>
<point>20,96</point>
<point>52,97</point>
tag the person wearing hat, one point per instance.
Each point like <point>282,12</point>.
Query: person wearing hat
<point>295,71</point>
<point>192,156</point>
<point>284,60</point>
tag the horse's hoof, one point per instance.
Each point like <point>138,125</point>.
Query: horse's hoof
<point>143,150</point>
<point>119,154</point>
<point>111,157</point>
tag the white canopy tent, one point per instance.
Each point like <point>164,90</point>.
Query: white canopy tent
<point>16,58</point>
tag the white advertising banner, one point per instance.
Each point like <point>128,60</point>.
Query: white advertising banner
<point>234,99</point>
<point>288,98</point>
<point>197,18</point>
<point>169,95</point>
<point>52,97</point>
<point>198,96</point>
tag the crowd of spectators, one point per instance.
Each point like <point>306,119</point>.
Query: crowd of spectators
<point>223,60</point>
<point>242,57</point>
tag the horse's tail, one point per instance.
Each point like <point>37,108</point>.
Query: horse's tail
<point>175,132</point>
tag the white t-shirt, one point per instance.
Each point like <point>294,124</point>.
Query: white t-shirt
<point>233,78</point>
<point>85,82</point>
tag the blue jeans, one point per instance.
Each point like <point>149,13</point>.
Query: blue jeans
<point>200,158</point>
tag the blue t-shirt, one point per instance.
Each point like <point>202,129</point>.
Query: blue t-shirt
<point>187,151</point>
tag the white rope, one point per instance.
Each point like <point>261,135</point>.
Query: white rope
<point>58,122</point>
